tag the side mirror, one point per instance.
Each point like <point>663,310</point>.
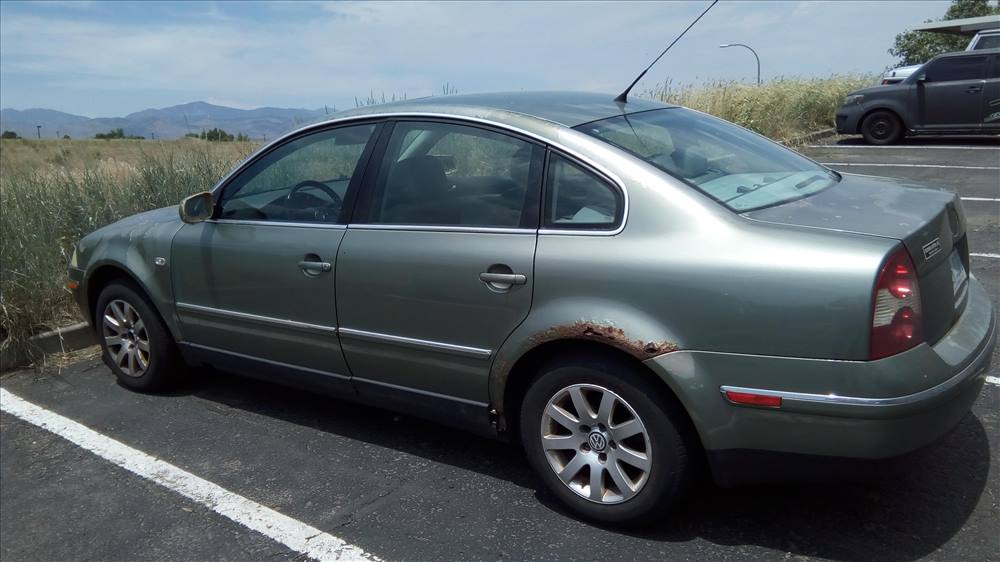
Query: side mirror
<point>197,208</point>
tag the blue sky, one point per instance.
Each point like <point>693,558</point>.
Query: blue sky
<point>113,58</point>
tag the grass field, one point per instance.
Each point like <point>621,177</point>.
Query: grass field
<point>52,192</point>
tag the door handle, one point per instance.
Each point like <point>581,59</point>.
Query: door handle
<point>974,89</point>
<point>503,278</point>
<point>316,266</point>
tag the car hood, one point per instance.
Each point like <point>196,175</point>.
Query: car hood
<point>911,212</point>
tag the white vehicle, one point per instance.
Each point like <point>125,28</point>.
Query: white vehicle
<point>983,39</point>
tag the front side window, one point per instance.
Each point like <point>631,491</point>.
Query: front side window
<point>457,175</point>
<point>953,69</point>
<point>304,180</point>
<point>741,170</point>
<point>576,198</point>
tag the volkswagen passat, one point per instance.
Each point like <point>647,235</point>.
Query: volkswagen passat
<point>627,290</point>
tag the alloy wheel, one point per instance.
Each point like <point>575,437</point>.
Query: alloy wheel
<point>596,443</point>
<point>126,338</point>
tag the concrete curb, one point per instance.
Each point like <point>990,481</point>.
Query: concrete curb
<point>810,137</point>
<point>66,338</point>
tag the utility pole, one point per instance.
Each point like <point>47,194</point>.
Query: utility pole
<point>38,130</point>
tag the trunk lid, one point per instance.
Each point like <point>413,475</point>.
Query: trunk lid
<point>929,221</point>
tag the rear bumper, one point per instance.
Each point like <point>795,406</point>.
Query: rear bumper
<point>856,409</point>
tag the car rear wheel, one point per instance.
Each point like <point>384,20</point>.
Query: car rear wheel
<point>136,345</point>
<point>881,127</point>
<point>604,441</point>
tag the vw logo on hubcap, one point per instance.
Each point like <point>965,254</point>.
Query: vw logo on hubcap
<point>597,441</point>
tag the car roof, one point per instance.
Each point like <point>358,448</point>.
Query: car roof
<point>564,108</point>
<point>974,53</point>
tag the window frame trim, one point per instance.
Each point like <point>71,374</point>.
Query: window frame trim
<point>390,117</point>
<point>621,199</point>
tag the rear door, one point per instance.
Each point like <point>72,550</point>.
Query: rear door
<point>255,285</point>
<point>437,268</point>
<point>951,93</point>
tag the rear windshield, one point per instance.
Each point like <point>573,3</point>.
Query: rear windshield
<point>740,169</point>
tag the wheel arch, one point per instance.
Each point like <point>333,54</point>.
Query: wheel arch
<point>522,372</point>
<point>887,108</point>
<point>106,272</point>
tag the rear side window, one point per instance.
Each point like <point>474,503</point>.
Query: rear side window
<point>457,175</point>
<point>956,68</point>
<point>576,198</point>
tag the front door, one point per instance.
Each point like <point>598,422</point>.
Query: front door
<point>436,270</point>
<point>991,97</point>
<point>255,286</point>
<point>951,93</point>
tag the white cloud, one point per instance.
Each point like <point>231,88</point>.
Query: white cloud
<point>309,54</point>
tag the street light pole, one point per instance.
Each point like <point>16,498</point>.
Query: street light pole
<point>723,46</point>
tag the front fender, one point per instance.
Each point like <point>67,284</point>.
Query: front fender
<point>135,246</point>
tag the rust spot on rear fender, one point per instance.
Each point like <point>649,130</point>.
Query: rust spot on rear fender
<point>606,333</point>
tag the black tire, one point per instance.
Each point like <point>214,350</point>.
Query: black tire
<point>163,368</point>
<point>882,128</point>
<point>670,442</point>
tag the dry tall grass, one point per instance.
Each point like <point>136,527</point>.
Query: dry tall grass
<point>782,109</point>
<point>54,192</point>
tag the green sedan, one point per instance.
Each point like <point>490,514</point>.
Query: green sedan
<point>639,294</point>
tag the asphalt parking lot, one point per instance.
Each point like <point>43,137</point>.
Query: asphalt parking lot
<point>396,488</point>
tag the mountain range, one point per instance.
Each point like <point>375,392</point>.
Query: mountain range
<point>166,123</point>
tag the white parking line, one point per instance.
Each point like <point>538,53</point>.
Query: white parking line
<point>294,534</point>
<point>994,256</point>
<point>993,380</point>
<point>904,147</point>
<point>980,199</point>
<point>887,165</point>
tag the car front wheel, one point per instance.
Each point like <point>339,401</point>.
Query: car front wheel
<point>605,441</point>
<point>136,345</point>
<point>881,128</point>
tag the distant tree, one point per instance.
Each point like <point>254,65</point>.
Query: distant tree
<point>917,47</point>
<point>191,136</point>
<point>242,138</point>
<point>9,135</point>
<point>112,134</point>
<point>65,137</point>
<point>217,135</point>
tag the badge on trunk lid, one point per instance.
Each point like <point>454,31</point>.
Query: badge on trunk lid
<point>932,248</point>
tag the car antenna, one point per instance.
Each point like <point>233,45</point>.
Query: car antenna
<point>623,97</point>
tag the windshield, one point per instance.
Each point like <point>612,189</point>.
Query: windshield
<point>741,170</point>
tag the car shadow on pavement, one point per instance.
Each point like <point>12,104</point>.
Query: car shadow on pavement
<point>906,508</point>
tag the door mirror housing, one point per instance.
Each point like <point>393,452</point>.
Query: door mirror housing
<point>197,208</point>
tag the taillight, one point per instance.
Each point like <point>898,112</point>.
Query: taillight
<point>884,82</point>
<point>896,322</point>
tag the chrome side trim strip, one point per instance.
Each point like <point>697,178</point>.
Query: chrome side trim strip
<point>280,223</point>
<point>414,342</point>
<point>256,318</point>
<point>266,361</point>
<point>443,228</point>
<point>422,392</point>
<point>974,368</point>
